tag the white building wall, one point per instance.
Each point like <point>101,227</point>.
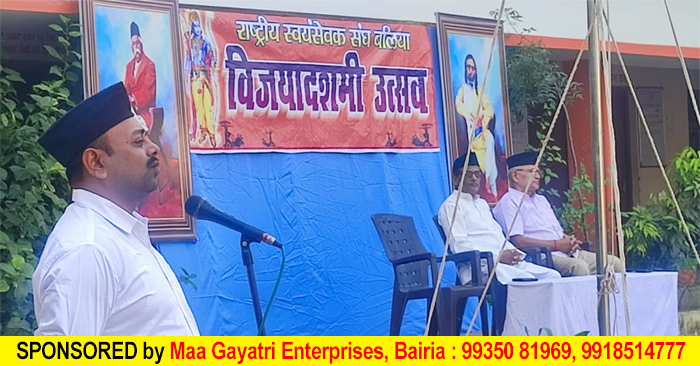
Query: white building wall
<point>634,21</point>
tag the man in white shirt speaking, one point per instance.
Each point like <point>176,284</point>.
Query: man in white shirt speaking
<point>99,273</point>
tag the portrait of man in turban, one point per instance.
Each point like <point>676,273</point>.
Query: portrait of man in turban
<point>137,45</point>
<point>140,78</point>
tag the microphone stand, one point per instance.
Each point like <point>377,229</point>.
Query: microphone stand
<point>248,262</point>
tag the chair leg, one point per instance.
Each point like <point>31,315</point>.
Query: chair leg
<point>398,306</point>
<point>446,313</point>
<point>459,306</point>
<point>484,310</point>
<point>500,294</point>
<point>434,323</point>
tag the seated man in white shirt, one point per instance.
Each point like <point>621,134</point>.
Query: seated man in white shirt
<point>536,225</point>
<point>476,229</point>
<point>99,274</point>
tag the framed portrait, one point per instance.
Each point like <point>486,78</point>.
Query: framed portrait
<point>137,42</point>
<point>464,44</point>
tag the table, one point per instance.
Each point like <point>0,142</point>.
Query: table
<point>569,305</point>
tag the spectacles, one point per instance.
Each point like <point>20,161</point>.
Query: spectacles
<point>474,174</point>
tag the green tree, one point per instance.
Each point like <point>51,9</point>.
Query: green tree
<point>33,187</point>
<point>654,234</point>
<point>535,87</point>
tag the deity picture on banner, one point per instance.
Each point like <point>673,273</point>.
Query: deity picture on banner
<point>291,83</point>
<point>134,42</point>
<point>200,66</point>
<point>476,99</point>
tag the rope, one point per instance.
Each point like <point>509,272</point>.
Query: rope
<point>616,194</point>
<point>464,173</point>
<point>653,144</point>
<point>608,286</point>
<point>537,164</point>
<point>608,283</point>
<point>576,169</point>
<point>683,66</point>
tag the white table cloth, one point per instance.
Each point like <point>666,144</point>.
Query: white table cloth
<point>569,305</point>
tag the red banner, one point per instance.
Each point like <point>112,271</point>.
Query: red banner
<point>258,83</point>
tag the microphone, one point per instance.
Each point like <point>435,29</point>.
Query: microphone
<point>200,208</point>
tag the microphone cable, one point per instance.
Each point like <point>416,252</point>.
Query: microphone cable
<point>274,292</point>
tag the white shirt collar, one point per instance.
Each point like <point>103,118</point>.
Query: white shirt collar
<point>466,196</point>
<point>518,192</point>
<point>109,210</point>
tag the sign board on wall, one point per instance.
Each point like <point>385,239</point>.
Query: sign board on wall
<point>257,82</point>
<point>652,102</point>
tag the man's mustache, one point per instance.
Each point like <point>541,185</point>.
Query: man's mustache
<point>152,162</point>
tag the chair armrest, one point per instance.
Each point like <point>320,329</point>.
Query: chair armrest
<point>548,262</point>
<point>489,259</point>
<point>415,258</point>
<point>462,257</point>
<point>473,257</point>
<point>533,255</point>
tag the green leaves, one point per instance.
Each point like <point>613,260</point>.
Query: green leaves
<point>12,75</point>
<point>33,188</point>
<point>654,233</point>
<point>71,76</point>
<point>535,85</point>
<point>52,51</point>
<point>574,214</point>
<point>17,323</point>
<point>17,261</point>
<point>8,269</point>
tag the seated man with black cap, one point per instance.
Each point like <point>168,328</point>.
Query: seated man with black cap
<point>99,273</point>
<point>476,229</point>
<point>536,225</point>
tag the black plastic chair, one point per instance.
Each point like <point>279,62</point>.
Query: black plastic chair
<point>498,317</point>
<point>542,256</point>
<point>411,264</point>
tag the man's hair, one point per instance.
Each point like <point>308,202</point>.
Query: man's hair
<point>74,169</point>
<point>476,72</point>
<point>511,172</point>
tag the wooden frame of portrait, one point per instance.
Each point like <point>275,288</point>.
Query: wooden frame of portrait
<point>455,24</point>
<point>167,228</point>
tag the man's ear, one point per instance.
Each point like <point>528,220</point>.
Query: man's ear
<point>93,163</point>
<point>514,176</point>
<point>456,175</point>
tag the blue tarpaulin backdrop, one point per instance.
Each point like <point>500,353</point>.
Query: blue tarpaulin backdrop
<point>337,279</point>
